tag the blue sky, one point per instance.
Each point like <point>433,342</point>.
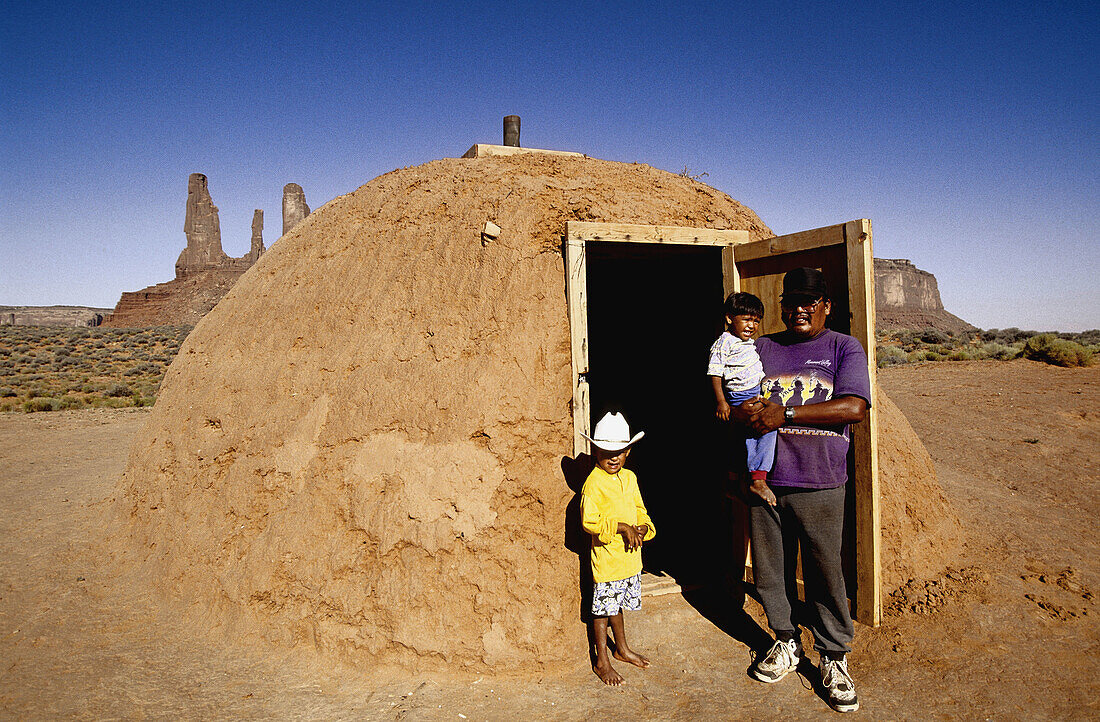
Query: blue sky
<point>966,132</point>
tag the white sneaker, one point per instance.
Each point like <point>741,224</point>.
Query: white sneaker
<point>780,660</point>
<point>840,690</point>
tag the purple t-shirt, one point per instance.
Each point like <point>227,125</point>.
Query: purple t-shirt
<point>799,372</point>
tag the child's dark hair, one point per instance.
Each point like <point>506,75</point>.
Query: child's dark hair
<point>744,304</point>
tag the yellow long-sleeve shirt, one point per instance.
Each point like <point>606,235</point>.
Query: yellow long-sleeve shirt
<point>607,500</point>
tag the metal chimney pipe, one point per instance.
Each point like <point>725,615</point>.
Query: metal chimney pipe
<point>511,130</point>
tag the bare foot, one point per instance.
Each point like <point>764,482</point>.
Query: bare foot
<point>608,674</point>
<point>629,655</point>
<point>761,489</point>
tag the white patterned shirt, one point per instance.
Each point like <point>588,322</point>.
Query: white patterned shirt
<point>735,362</point>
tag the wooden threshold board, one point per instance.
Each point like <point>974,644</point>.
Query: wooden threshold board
<point>657,585</point>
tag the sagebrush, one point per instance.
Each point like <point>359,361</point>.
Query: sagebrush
<point>47,368</point>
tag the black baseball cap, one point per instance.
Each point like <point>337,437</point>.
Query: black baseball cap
<point>804,283</point>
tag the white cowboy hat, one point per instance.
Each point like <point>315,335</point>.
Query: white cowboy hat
<point>612,433</point>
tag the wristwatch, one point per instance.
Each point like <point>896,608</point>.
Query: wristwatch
<point>788,414</point>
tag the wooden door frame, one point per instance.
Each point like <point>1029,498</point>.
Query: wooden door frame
<point>577,233</point>
<point>856,236</point>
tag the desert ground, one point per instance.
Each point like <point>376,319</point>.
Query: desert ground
<point>1009,631</point>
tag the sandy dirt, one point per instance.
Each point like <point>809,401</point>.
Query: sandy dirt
<point>1008,632</point>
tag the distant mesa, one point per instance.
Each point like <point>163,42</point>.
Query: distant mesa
<point>73,316</point>
<point>204,273</point>
<point>907,297</point>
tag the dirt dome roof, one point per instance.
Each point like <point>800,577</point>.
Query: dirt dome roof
<point>360,447</point>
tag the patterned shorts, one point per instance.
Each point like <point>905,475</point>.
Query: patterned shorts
<point>609,598</point>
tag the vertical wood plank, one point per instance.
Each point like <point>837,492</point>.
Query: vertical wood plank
<point>731,279</point>
<point>861,295</point>
<point>577,290</point>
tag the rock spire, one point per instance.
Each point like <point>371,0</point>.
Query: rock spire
<point>257,236</point>
<point>204,273</point>
<point>202,228</point>
<point>294,206</point>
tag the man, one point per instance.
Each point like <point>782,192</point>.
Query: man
<point>808,481</point>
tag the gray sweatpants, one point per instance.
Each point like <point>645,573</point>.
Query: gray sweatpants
<point>815,519</point>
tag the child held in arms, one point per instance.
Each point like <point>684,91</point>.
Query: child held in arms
<point>735,373</point>
<point>612,512</point>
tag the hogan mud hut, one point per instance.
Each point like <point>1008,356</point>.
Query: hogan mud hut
<point>366,446</point>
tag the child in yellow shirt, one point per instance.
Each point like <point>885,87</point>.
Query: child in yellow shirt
<point>613,513</point>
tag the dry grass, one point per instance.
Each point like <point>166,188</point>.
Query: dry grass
<point>45,368</point>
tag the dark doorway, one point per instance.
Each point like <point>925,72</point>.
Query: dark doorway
<point>653,311</point>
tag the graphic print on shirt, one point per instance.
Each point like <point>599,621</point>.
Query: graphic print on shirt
<point>805,387</point>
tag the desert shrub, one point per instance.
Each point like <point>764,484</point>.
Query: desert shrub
<point>933,336</point>
<point>72,402</point>
<point>1088,338</point>
<point>1001,352</point>
<point>959,355</point>
<point>1058,351</point>
<point>142,368</point>
<point>7,392</point>
<point>907,339</point>
<point>112,403</point>
<point>1008,336</point>
<point>118,391</point>
<point>924,355</point>
<point>890,356</point>
<point>40,404</point>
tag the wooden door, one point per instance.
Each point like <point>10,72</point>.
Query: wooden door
<point>844,254</point>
